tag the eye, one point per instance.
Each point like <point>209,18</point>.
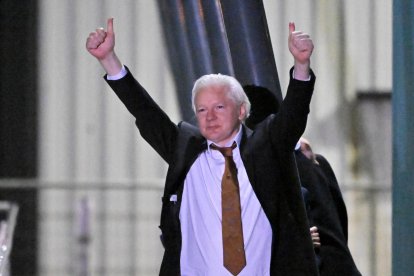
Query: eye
<point>201,110</point>
<point>220,106</point>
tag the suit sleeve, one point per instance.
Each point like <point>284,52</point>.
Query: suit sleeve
<point>153,123</point>
<point>288,125</point>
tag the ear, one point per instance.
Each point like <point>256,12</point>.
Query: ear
<point>242,112</point>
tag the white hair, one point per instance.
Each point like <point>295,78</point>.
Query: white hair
<point>230,84</point>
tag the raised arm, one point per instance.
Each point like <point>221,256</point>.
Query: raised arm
<point>101,44</point>
<point>301,47</point>
<point>290,122</point>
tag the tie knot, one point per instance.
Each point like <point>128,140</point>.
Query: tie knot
<point>226,151</point>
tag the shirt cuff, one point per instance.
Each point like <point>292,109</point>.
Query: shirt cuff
<point>118,76</point>
<point>293,76</point>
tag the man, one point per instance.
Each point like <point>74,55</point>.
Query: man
<point>327,211</point>
<point>275,233</point>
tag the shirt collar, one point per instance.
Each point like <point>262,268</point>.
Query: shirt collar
<point>297,147</point>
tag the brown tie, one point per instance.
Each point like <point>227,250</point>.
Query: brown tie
<point>234,258</point>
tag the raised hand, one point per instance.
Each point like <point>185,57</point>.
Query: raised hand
<point>301,47</point>
<point>300,44</point>
<point>101,44</point>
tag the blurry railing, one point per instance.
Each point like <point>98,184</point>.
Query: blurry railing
<point>110,228</point>
<point>95,228</point>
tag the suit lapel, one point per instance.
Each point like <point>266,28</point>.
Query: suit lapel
<point>246,153</point>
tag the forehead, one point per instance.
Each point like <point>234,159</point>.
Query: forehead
<point>211,93</point>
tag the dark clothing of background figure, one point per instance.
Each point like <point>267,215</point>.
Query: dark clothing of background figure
<point>328,212</point>
<point>267,154</point>
<point>306,199</point>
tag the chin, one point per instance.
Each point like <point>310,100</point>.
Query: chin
<point>211,138</point>
<point>210,135</point>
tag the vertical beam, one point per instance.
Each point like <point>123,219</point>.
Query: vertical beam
<point>250,44</point>
<point>179,52</point>
<point>197,38</point>
<point>403,137</point>
<point>18,98</point>
<point>217,37</point>
<point>18,124</point>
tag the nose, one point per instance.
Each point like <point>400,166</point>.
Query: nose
<point>211,115</point>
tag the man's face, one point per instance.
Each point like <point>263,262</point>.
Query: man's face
<point>218,116</point>
<point>306,150</point>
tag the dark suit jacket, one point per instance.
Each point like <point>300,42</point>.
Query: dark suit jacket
<point>270,146</point>
<point>328,212</point>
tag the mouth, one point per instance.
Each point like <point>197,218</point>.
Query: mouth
<point>212,128</point>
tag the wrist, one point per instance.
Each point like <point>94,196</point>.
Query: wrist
<point>111,64</point>
<point>302,70</point>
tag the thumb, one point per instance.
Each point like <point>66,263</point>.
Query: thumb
<point>291,27</point>
<point>110,26</point>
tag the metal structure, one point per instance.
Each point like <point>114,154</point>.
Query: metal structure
<point>214,36</point>
<point>403,136</point>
